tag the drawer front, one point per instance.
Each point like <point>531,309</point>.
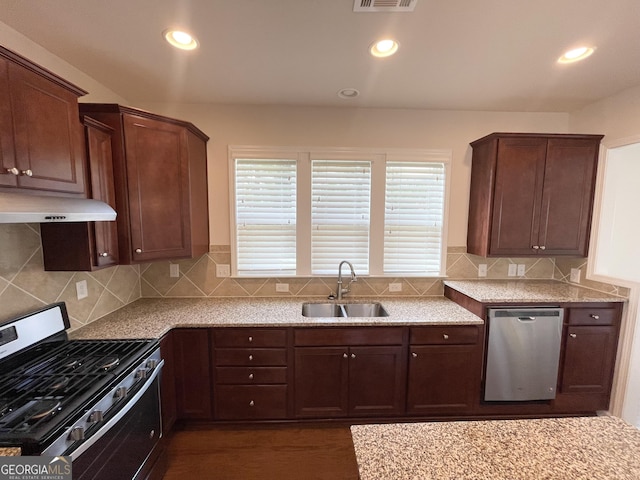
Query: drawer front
<point>348,336</point>
<point>250,375</point>
<point>250,337</point>
<point>592,316</point>
<point>444,335</point>
<point>251,356</point>
<point>237,402</point>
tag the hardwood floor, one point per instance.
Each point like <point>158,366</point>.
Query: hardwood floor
<point>265,453</point>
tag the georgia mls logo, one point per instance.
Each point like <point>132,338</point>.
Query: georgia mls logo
<point>35,468</point>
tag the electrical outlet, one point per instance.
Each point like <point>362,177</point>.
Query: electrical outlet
<point>81,289</point>
<point>395,287</point>
<point>282,287</point>
<point>174,270</point>
<point>521,270</point>
<point>513,269</point>
<point>575,275</point>
<point>223,270</point>
<point>482,270</point>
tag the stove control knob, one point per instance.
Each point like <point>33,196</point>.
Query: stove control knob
<point>121,392</point>
<point>142,373</point>
<point>96,416</point>
<point>76,433</point>
<point>151,363</point>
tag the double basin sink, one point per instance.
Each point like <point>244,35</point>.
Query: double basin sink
<point>343,310</point>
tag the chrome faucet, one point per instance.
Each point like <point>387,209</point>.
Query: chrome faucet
<point>343,291</point>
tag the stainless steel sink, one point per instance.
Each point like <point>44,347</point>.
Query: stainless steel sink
<point>328,310</point>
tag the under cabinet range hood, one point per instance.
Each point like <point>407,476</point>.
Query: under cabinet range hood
<point>23,208</point>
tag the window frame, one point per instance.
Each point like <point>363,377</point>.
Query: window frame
<point>304,157</point>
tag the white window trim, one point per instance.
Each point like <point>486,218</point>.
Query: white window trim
<point>304,156</point>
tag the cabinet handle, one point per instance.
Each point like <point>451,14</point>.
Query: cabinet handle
<point>250,339</point>
<point>573,335</point>
<point>250,357</point>
<point>251,404</point>
<point>353,355</point>
<point>542,247</point>
<point>535,247</point>
<point>445,336</point>
<point>414,354</point>
<point>594,316</point>
<point>13,171</point>
<point>28,172</point>
<point>138,250</point>
<point>251,376</point>
<point>104,254</point>
<point>344,355</point>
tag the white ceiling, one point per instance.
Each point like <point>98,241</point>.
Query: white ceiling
<point>454,54</point>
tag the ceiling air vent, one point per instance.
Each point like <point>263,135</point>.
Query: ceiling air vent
<point>384,5</point>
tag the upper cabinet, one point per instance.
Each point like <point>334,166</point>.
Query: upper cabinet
<point>532,194</point>
<point>160,175</point>
<point>41,145</point>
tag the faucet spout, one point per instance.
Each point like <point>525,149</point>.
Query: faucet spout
<point>343,291</point>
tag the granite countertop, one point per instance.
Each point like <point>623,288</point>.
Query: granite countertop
<point>10,452</point>
<point>152,318</point>
<point>580,448</point>
<point>521,291</point>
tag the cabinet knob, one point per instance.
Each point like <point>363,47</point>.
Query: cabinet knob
<point>445,336</point>
<point>344,355</point>
<point>28,172</point>
<point>251,376</point>
<point>250,357</point>
<point>535,247</point>
<point>104,254</point>
<point>414,354</point>
<point>251,404</point>
<point>542,247</point>
<point>573,335</point>
<point>13,171</point>
<point>250,339</point>
<point>138,250</point>
<point>353,355</point>
<point>594,316</point>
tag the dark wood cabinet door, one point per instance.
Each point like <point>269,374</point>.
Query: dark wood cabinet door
<point>7,150</point>
<point>167,384</point>
<point>47,132</point>
<point>569,182</point>
<point>158,188</point>
<point>192,373</point>
<point>589,358</point>
<point>321,382</point>
<point>443,379</point>
<point>517,196</point>
<point>377,378</point>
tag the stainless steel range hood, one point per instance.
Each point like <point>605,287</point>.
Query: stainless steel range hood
<point>22,208</point>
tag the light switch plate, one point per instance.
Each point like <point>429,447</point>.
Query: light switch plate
<point>282,287</point>
<point>575,275</point>
<point>81,289</point>
<point>482,270</point>
<point>513,270</point>
<point>521,269</point>
<point>174,270</point>
<point>223,270</point>
<point>395,287</point>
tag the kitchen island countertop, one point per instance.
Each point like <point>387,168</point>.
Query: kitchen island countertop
<point>153,317</point>
<point>578,448</point>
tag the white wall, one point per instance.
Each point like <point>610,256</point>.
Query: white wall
<point>349,127</point>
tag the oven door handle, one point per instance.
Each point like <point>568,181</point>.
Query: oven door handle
<point>121,413</point>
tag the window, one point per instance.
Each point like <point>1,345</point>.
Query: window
<point>301,211</point>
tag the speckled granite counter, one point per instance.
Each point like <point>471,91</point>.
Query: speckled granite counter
<point>10,452</point>
<point>152,318</point>
<point>528,291</point>
<point>582,448</point>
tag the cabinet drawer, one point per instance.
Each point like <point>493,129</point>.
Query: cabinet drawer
<point>592,316</point>
<point>250,337</point>
<point>348,336</point>
<point>250,356</point>
<point>250,375</point>
<point>235,402</point>
<point>444,335</point>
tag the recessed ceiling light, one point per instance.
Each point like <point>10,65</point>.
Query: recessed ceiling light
<point>384,48</point>
<point>180,39</point>
<point>576,54</point>
<point>348,93</point>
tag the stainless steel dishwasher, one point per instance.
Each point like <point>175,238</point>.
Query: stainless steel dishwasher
<point>523,353</point>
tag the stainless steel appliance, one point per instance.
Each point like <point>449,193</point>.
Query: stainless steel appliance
<point>523,353</point>
<point>94,400</point>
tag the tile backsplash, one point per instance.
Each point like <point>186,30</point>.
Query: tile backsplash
<point>25,286</point>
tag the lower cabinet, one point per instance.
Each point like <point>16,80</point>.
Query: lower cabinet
<point>251,373</point>
<point>445,367</point>
<point>349,372</point>
<point>191,356</point>
<point>167,384</point>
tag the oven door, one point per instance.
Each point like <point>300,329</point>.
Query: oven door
<point>121,448</point>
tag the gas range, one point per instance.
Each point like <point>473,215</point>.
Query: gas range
<point>57,395</point>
